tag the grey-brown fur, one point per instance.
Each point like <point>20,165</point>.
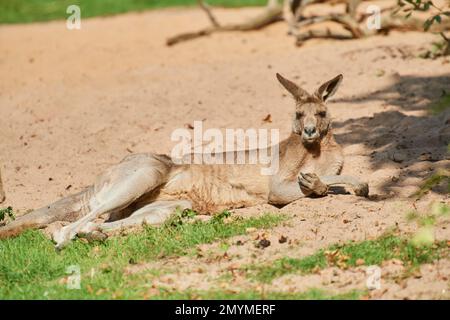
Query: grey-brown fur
<point>146,188</point>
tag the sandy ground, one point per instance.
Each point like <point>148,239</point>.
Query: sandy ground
<point>74,102</point>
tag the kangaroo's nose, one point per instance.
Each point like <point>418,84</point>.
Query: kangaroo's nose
<point>310,130</point>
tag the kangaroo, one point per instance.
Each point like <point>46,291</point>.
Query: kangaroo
<point>147,188</point>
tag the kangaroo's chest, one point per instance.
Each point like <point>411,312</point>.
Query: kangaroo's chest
<point>311,164</point>
<point>308,168</point>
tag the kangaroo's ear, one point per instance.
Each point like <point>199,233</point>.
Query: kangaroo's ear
<point>329,88</point>
<point>294,89</point>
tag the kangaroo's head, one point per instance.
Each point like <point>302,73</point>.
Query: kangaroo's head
<point>311,120</point>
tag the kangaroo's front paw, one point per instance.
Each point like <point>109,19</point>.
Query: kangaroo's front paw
<point>310,184</point>
<point>62,237</point>
<point>361,189</point>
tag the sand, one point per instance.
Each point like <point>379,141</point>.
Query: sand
<point>74,102</point>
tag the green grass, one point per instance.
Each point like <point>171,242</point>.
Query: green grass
<point>6,213</point>
<point>21,11</point>
<point>311,294</point>
<point>440,177</point>
<point>442,104</point>
<point>30,268</point>
<point>370,252</point>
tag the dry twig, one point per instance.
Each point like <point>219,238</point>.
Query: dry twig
<point>273,12</point>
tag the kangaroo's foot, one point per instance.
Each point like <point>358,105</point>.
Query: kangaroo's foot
<point>310,184</point>
<point>359,188</point>
<point>62,236</point>
<point>88,231</point>
<point>93,235</point>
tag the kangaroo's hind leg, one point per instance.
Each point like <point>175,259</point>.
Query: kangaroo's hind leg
<point>154,214</point>
<point>117,188</point>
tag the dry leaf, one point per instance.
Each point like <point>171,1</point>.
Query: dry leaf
<point>360,262</point>
<point>268,118</point>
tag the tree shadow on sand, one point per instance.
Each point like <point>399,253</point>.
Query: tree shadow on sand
<point>418,145</point>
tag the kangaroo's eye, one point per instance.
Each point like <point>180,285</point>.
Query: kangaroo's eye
<point>322,114</point>
<point>299,115</point>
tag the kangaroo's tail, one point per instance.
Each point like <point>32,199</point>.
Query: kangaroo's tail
<point>2,192</point>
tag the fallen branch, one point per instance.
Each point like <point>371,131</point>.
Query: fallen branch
<point>357,28</point>
<point>321,34</point>
<point>347,21</point>
<point>352,21</point>
<point>272,13</point>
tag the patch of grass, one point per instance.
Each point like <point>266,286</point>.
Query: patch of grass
<point>427,222</point>
<point>7,213</point>
<point>30,268</point>
<point>438,212</point>
<point>369,252</point>
<point>437,49</point>
<point>442,104</point>
<point>21,11</point>
<point>442,176</point>
<point>311,294</point>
